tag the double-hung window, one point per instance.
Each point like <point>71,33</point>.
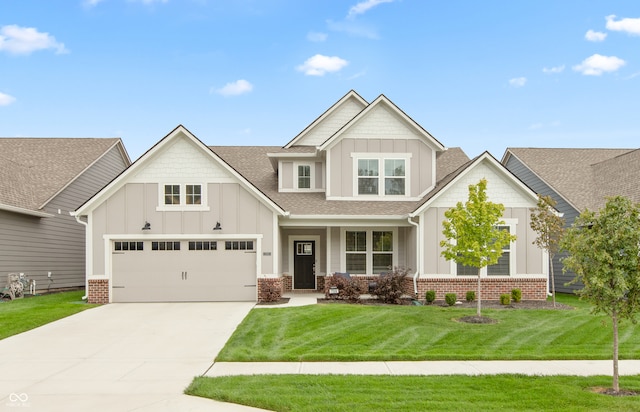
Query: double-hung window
<point>304,176</point>
<point>369,251</point>
<point>380,174</point>
<point>502,268</point>
<point>505,264</point>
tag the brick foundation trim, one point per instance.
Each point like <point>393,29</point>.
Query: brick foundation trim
<point>490,288</point>
<point>269,288</point>
<point>98,291</point>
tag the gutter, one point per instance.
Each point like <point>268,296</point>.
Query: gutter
<point>86,280</point>
<point>418,250</point>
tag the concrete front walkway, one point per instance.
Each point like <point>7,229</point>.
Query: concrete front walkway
<point>118,357</point>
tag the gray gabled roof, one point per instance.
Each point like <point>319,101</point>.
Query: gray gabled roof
<point>584,177</point>
<point>33,170</point>
<point>253,163</point>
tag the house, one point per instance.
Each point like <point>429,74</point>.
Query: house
<point>362,189</point>
<point>41,181</point>
<point>577,179</point>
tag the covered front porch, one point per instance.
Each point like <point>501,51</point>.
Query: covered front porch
<point>363,248</point>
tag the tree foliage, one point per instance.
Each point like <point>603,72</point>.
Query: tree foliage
<point>604,252</point>
<point>549,226</point>
<point>472,236</point>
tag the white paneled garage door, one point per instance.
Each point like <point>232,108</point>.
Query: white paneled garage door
<point>183,270</point>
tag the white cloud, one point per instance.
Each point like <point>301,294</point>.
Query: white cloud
<point>628,25</point>
<point>365,6</point>
<point>595,36</point>
<point>25,40</point>
<point>597,64</point>
<point>235,88</point>
<point>553,70</point>
<point>518,82</point>
<point>6,100</point>
<point>316,36</point>
<point>91,3</point>
<point>319,65</point>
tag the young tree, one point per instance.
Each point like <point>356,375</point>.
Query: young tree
<point>473,238</point>
<point>549,226</point>
<point>604,253</point>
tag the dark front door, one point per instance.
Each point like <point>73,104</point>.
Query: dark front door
<point>304,260</point>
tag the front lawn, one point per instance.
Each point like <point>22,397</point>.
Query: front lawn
<point>413,393</point>
<point>337,332</point>
<point>20,315</point>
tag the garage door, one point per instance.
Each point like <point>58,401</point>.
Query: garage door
<point>183,271</point>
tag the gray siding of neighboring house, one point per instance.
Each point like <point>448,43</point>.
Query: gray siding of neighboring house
<point>35,246</point>
<point>569,214</point>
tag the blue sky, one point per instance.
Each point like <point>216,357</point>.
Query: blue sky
<point>482,75</point>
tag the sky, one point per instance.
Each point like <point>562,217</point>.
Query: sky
<point>480,75</point>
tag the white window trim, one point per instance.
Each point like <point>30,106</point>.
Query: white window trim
<point>369,252</point>
<point>512,224</point>
<point>312,176</point>
<point>381,157</point>
<point>183,206</point>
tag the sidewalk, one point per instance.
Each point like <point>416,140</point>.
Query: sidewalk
<point>531,368</point>
<point>473,367</point>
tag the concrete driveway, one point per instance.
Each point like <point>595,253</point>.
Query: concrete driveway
<point>118,357</point>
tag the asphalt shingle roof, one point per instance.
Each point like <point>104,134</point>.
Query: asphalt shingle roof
<point>32,170</point>
<point>252,163</point>
<point>585,176</point>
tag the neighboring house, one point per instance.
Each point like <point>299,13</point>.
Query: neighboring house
<point>41,182</point>
<point>361,190</point>
<point>577,179</point>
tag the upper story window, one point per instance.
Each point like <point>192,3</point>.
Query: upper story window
<point>304,176</point>
<point>391,182</point>
<point>182,197</point>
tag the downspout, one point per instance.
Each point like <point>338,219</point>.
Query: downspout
<point>418,257</point>
<point>86,280</point>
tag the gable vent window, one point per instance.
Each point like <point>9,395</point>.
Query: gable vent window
<point>183,196</point>
<point>194,194</point>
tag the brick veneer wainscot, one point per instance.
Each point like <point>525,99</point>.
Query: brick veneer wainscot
<point>98,291</point>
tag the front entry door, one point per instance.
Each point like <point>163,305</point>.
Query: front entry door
<point>304,262</point>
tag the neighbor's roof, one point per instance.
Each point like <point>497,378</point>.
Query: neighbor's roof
<point>585,177</point>
<point>33,170</point>
<point>252,163</point>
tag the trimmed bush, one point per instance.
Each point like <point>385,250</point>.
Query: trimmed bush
<point>516,295</point>
<point>270,291</point>
<point>391,286</point>
<point>348,289</point>
<point>505,299</point>
<point>450,298</point>
<point>430,296</point>
<point>471,295</point>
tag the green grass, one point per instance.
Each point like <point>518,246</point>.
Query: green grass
<point>337,332</point>
<point>416,393</point>
<point>20,315</point>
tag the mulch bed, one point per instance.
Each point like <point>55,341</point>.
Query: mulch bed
<point>609,391</point>
<point>485,304</point>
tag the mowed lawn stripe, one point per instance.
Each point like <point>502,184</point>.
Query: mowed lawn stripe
<point>342,332</point>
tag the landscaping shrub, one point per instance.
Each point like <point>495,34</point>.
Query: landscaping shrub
<point>450,298</point>
<point>348,289</point>
<point>516,295</point>
<point>430,296</point>
<point>505,299</point>
<point>471,295</point>
<point>270,291</point>
<point>391,286</point>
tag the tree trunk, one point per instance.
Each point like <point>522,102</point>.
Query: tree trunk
<point>479,305</point>
<point>616,379</point>
<point>553,282</point>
